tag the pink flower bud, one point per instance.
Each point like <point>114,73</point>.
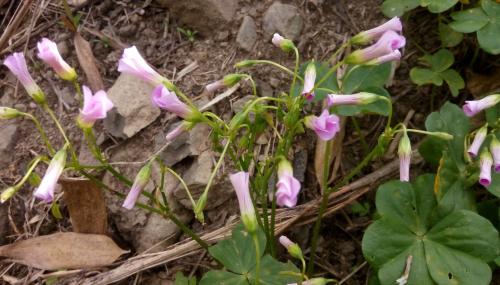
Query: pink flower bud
<point>228,81</point>
<point>48,52</point>
<point>169,101</point>
<point>288,186</point>
<point>141,180</point>
<point>285,44</point>
<point>478,141</point>
<point>17,65</point>
<point>325,126</point>
<point>393,56</point>
<point>495,151</point>
<point>353,99</point>
<point>45,190</point>
<point>178,130</point>
<point>133,63</point>
<point>364,37</point>
<point>240,182</point>
<point>485,163</point>
<point>471,108</point>
<point>214,86</point>
<point>95,107</point>
<point>404,152</point>
<point>292,248</point>
<point>385,46</point>
<point>309,79</point>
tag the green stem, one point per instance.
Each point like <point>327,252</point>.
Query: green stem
<point>187,230</point>
<point>296,70</point>
<point>257,258</point>
<point>42,133</point>
<point>361,136</point>
<point>61,130</point>
<point>177,176</point>
<point>34,163</point>
<point>342,47</point>
<point>287,70</point>
<point>328,74</point>
<point>78,91</point>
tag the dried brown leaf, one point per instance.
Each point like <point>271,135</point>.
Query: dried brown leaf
<point>86,206</point>
<point>64,251</point>
<point>88,63</point>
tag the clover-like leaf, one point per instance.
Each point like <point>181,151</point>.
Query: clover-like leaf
<point>438,6</point>
<point>392,8</point>
<point>494,187</point>
<point>454,80</point>
<point>422,76</point>
<point>452,250</point>
<point>469,20</point>
<point>360,77</point>
<point>488,37</point>
<point>448,36</point>
<point>273,272</point>
<point>223,278</point>
<point>439,61</point>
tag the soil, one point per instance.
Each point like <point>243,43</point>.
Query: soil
<point>154,30</point>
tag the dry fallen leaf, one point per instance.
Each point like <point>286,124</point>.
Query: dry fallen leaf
<point>86,205</point>
<point>64,251</point>
<point>88,63</point>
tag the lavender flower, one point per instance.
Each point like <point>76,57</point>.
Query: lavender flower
<point>361,98</point>
<point>95,107</point>
<point>485,163</point>
<point>325,126</point>
<point>169,101</point>
<point>285,44</point>
<point>309,79</point>
<point>45,190</point>
<point>17,65</point>
<point>381,51</point>
<point>228,81</point>
<point>495,151</point>
<point>48,52</point>
<point>288,186</point>
<point>478,141</point>
<point>240,182</point>
<point>471,108</point>
<point>364,37</point>
<point>133,63</point>
<point>141,180</point>
<point>404,152</point>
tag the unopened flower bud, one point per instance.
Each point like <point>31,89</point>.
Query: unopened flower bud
<point>7,113</point>
<point>361,98</point>
<point>404,152</point>
<point>471,108</point>
<point>48,184</point>
<point>17,65</point>
<point>478,141</point>
<point>292,248</point>
<point>285,44</point>
<point>141,180</point>
<point>365,37</point>
<point>309,80</point>
<point>495,151</point>
<point>442,135</point>
<point>240,182</point>
<point>7,194</point>
<point>485,163</point>
<point>48,52</point>
<point>245,63</point>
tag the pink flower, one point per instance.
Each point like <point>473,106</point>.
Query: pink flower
<point>471,108</point>
<point>133,63</point>
<point>228,81</point>
<point>325,126</point>
<point>141,180</point>
<point>478,141</point>
<point>285,44</point>
<point>288,186</point>
<point>177,131</point>
<point>404,152</point>
<point>393,56</point>
<point>240,182</point>
<point>309,79</point>
<point>485,163</point>
<point>380,51</point>
<point>17,65</point>
<point>48,52</point>
<point>167,100</point>
<point>94,107</point>
<point>45,190</point>
<point>291,247</point>
<point>214,86</point>
<point>495,151</point>
<point>353,99</point>
<point>393,24</point>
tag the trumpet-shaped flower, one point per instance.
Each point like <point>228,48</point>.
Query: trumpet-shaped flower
<point>292,248</point>
<point>285,44</point>
<point>48,52</point>
<point>169,101</point>
<point>45,190</point>
<point>495,151</point>
<point>17,65</point>
<point>367,36</point>
<point>361,98</point>
<point>178,130</point>
<point>134,64</point>
<point>140,181</point>
<point>485,163</point>
<point>288,186</point>
<point>240,182</point>
<point>381,51</point>
<point>471,108</point>
<point>95,107</point>
<point>404,152</point>
<point>478,141</point>
<point>228,81</point>
<point>393,56</point>
<point>309,79</point>
<point>325,126</point>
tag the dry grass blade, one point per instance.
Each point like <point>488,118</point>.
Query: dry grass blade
<point>64,250</point>
<point>88,63</point>
<point>14,24</point>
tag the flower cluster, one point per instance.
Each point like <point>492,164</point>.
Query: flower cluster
<point>489,156</point>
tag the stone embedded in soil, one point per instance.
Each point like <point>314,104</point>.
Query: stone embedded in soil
<point>284,19</point>
<point>8,137</point>
<point>204,16</point>
<point>133,109</point>
<point>247,34</point>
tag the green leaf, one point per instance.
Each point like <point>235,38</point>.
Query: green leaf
<point>457,246</point>
<point>422,76</point>
<point>431,150</point>
<point>439,61</point>
<point>56,211</point>
<point>360,77</point>
<point>223,278</point>
<point>469,21</point>
<point>438,6</point>
<point>392,8</point>
<point>449,37</point>
<point>272,272</point>
<point>488,37</point>
<point>454,80</point>
<point>494,187</point>
<point>180,279</point>
<point>380,107</point>
<point>491,8</point>
<point>237,254</point>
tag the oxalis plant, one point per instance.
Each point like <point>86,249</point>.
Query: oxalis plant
<point>428,231</point>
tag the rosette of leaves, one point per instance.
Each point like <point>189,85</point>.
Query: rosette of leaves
<point>438,71</point>
<point>447,247</point>
<point>238,257</point>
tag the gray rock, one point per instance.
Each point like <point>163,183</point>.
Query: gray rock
<point>204,16</point>
<point>247,34</point>
<point>133,110</point>
<point>63,48</point>
<point>8,137</point>
<point>284,19</point>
